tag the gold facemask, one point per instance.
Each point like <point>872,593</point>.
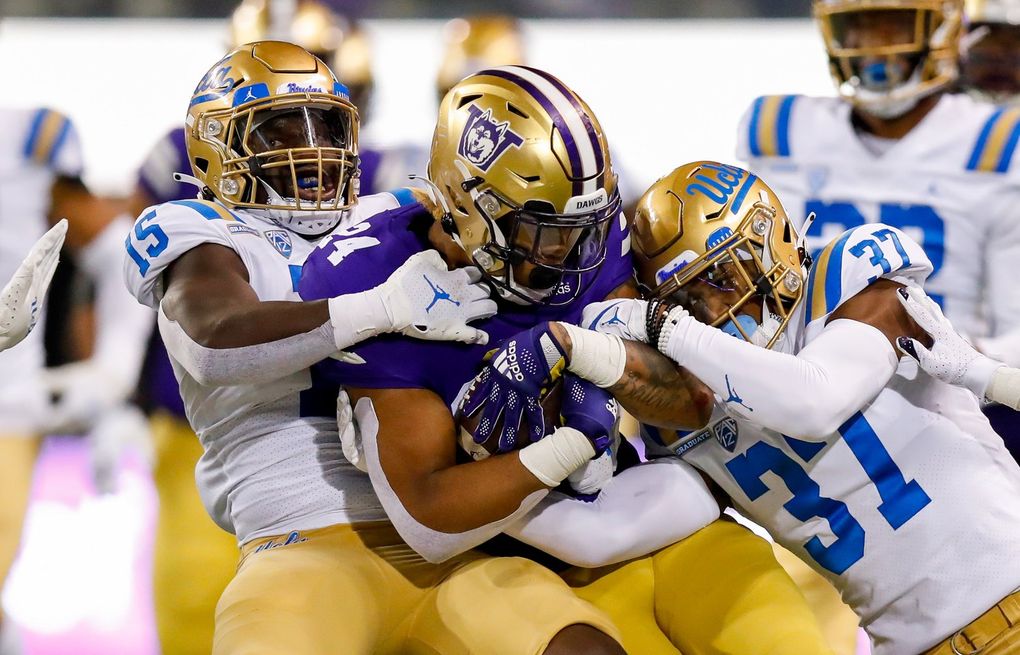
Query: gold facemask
<point>713,229</point>
<point>270,128</point>
<point>885,55</point>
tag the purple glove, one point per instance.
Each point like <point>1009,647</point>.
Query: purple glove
<point>591,410</point>
<point>513,382</point>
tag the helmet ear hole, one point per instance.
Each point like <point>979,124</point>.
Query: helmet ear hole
<point>202,164</point>
<point>466,99</point>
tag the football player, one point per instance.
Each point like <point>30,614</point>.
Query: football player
<point>525,190</point>
<point>990,63</point>
<point>886,482</point>
<point>272,140</point>
<point>894,147</point>
<point>40,155</point>
<point>194,559</point>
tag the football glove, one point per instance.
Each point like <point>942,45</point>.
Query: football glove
<point>22,298</point>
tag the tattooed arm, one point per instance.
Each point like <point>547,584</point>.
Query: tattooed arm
<point>653,388</point>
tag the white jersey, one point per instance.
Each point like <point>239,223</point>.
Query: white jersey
<point>906,509</point>
<point>272,461</point>
<point>952,184</point>
<point>36,146</point>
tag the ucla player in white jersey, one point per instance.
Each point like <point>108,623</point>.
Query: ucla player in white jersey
<point>990,59</point>
<point>895,148</point>
<point>881,478</point>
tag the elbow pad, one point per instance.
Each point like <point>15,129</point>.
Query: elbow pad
<point>433,545</point>
<point>260,363</point>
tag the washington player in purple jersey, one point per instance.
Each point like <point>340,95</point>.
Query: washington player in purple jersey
<point>524,190</point>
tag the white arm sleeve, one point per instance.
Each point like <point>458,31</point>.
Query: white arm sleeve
<point>431,544</point>
<point>264,362</point>
<point>808,395</point>
<point>122,325</point>
<point>643,509</point>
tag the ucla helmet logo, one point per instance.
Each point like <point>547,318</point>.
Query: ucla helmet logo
<point>484,139</point>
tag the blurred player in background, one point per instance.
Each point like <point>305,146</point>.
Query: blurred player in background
<point>41,164</point>
<point>990,72</point>
<point>990,62</point>
<point>895,147</point>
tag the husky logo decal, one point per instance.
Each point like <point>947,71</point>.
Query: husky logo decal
<point>484,140</point>
<point>726,433</point>
<point>280,240</point>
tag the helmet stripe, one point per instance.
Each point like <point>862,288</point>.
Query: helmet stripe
<point>585,118</point>
<point>576,119</point>
<point>574,153</point>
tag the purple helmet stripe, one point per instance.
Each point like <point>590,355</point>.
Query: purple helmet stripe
<point>585,118</point>
<point>576,171</point>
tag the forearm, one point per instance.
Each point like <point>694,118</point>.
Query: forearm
<point>656,391</point>
<point>839,371</point>
<point>253,364</point>
<point>420,506</point>
<point>644,508</point>
<point>648,384</point>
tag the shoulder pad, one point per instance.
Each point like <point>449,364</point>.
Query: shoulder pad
<point>767,127</point>
<point>996,142</point>
<point>52,141</point>
<point>857,258</point>
<point>165,232</point>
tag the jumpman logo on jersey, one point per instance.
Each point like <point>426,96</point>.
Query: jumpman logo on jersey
<point>440,294</point>
<point>734,398</point>
<point>615,320</point>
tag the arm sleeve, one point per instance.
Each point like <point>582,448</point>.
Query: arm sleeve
<point>644,508</point>
<point>808,395</point>
<point>261,363</point>
<point>431,544</point>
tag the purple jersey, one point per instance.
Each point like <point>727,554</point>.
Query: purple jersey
<point>378,247</point>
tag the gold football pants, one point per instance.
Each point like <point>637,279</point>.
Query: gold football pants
<point>996,632</point>
<point>718,592</point>
<point>353,589</point>
<point>194,558</point>
<point>17,462</point>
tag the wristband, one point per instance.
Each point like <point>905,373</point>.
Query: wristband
<point>596,357</point>
<point>555,457</point>
<point>1004,387</point>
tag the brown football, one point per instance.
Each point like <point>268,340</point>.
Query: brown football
<point>466,425</point>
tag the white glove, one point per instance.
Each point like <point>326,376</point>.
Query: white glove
<point>596,473</point>
<point>951,359</point>
<point>350,435</point>
<point>119,430</point>
<point>23,296</point>
<point>428,301</point>
<point>622,317</point>
<point>85,391</point>
<point>422,299</point>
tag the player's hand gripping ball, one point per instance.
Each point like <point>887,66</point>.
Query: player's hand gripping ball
<point>514,401</point>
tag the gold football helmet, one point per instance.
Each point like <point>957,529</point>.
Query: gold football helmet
<point>270,130</point>
<point>311,24</point>
<point>714,238</point>
<point>522,170</point>
<point>885,55</point>
<point>476,42</point>
<point>990,63</point>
